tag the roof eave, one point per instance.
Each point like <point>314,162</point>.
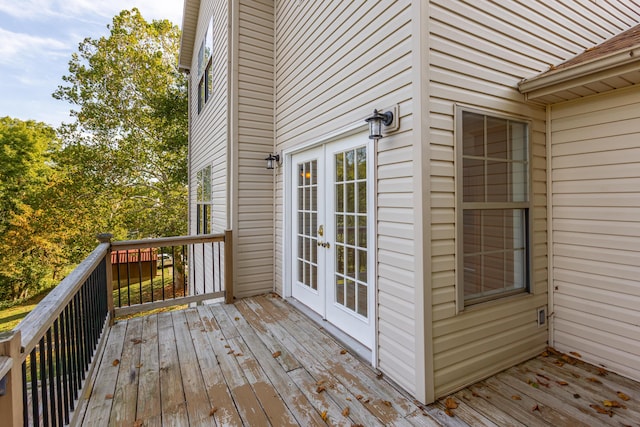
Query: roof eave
<point>562,79</point>
<point>190,13</point>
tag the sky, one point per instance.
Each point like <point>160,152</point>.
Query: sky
<point>37,39</point>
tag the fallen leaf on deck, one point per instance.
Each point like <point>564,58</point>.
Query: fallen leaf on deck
<point>139,365</point>
<point>449,412</point>
<point>559,363</point>
<point>594,380</point>
<point>230,352</point>
<point>236,318</point>
<point>544,376</point>
<point>136,341</point>
<point>562,382</point>
<point>345,412</point>
<point>238,354</point>
<point>324,415</point>
<point>359,397</point>
<point>276,354</point>
<point>612,404</point>
<point>387,403</point>
<point>367,401</point>
<point>343,351</point>
<point>320,382</point>
<point>545,354</point>
<point>474,394</point>
<point>213,411</point>
<point>533,384</point>
<point>623,396</point>
<point>602,372</point>
<point>516,397</point>
<point>320,389</point>
<point>349,399</point>
<point>379,375</point>
<point>535,408</point>
<point>599,409</point>
<point>108,396</point>
<point>575,353</point>
<point>115,362</point>
<point>138,423</point>
<point>227,346</point>
<point>450,403</point>
<point>543,384</point>
<point>576,396</point>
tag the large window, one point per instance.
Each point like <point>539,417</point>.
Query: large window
<point>205,68</point>
<point>203,201</point>
<point>494,208</point>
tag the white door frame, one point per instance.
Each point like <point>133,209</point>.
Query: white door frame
<point>287,232</point>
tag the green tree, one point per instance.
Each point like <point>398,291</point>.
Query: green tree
<point>30,252</point>
<point>125,154</point>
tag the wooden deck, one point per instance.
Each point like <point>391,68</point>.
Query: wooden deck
<point>260,362</point>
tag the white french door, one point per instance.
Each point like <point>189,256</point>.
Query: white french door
<point>332,231</point>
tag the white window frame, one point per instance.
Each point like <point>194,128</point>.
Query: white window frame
<point>204,201</point>
<point>525,205</point>
<point>205,68</point>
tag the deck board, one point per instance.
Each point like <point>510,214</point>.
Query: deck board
<point>262,362</point>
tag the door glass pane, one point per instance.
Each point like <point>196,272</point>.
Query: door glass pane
<point>307,215</point>
<point>351,255</point>
<point>361,160</point>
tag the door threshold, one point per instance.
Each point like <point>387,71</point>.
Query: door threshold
<point>356,347</point>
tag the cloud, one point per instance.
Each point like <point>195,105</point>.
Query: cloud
<point>17,48</point>
<point>38,10</point>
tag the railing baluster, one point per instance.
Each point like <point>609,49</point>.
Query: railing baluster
<point>43,381</point>
<point>25,403</point>
<point>66,357</point>
<point>52,379</point>
<point>118,272</point>
<point>58,374</point>
<point>35,406</point>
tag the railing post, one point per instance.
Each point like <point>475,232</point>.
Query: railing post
<point>228,267</point>
<point>11,402</point>
<point>106,238</point>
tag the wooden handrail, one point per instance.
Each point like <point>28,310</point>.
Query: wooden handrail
<point>166,241</point>
<point>36,323</point>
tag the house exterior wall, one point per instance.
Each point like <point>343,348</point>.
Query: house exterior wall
<point>209,133</point>
<point>595,156</point>
<point>334,65</point>
<point>252,184</point>
<point>289,74</point>
<point>478,52</point>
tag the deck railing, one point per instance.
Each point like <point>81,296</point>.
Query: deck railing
<point>47,360</point>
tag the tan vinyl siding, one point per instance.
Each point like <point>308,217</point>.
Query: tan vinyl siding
<point>209,129</point>
<point>596,229</point>
<point>328,79</point>
<point>253,185</point>
<point>477,56</point>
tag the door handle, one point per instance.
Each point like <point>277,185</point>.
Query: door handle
<point>324,244</point>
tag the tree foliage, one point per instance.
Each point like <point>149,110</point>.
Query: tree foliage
<point>119,167</point>
<point>28,246</point>
<point>130,131</point>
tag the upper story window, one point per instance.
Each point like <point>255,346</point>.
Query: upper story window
<point>494,206</point>
<point>203,201</point>
<point>205,68</point>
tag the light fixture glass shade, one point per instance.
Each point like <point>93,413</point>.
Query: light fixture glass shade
<point>376,121</point>
<point>271,160</point>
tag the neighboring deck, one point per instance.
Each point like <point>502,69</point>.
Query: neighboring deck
<point>261,362</point>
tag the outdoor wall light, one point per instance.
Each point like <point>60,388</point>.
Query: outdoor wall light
<point>272,159</point>
<point>376,121</point>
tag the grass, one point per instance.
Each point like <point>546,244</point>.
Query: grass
<point>11,316</point>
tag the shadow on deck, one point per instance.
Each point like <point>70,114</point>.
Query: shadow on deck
<point>261,362</point>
